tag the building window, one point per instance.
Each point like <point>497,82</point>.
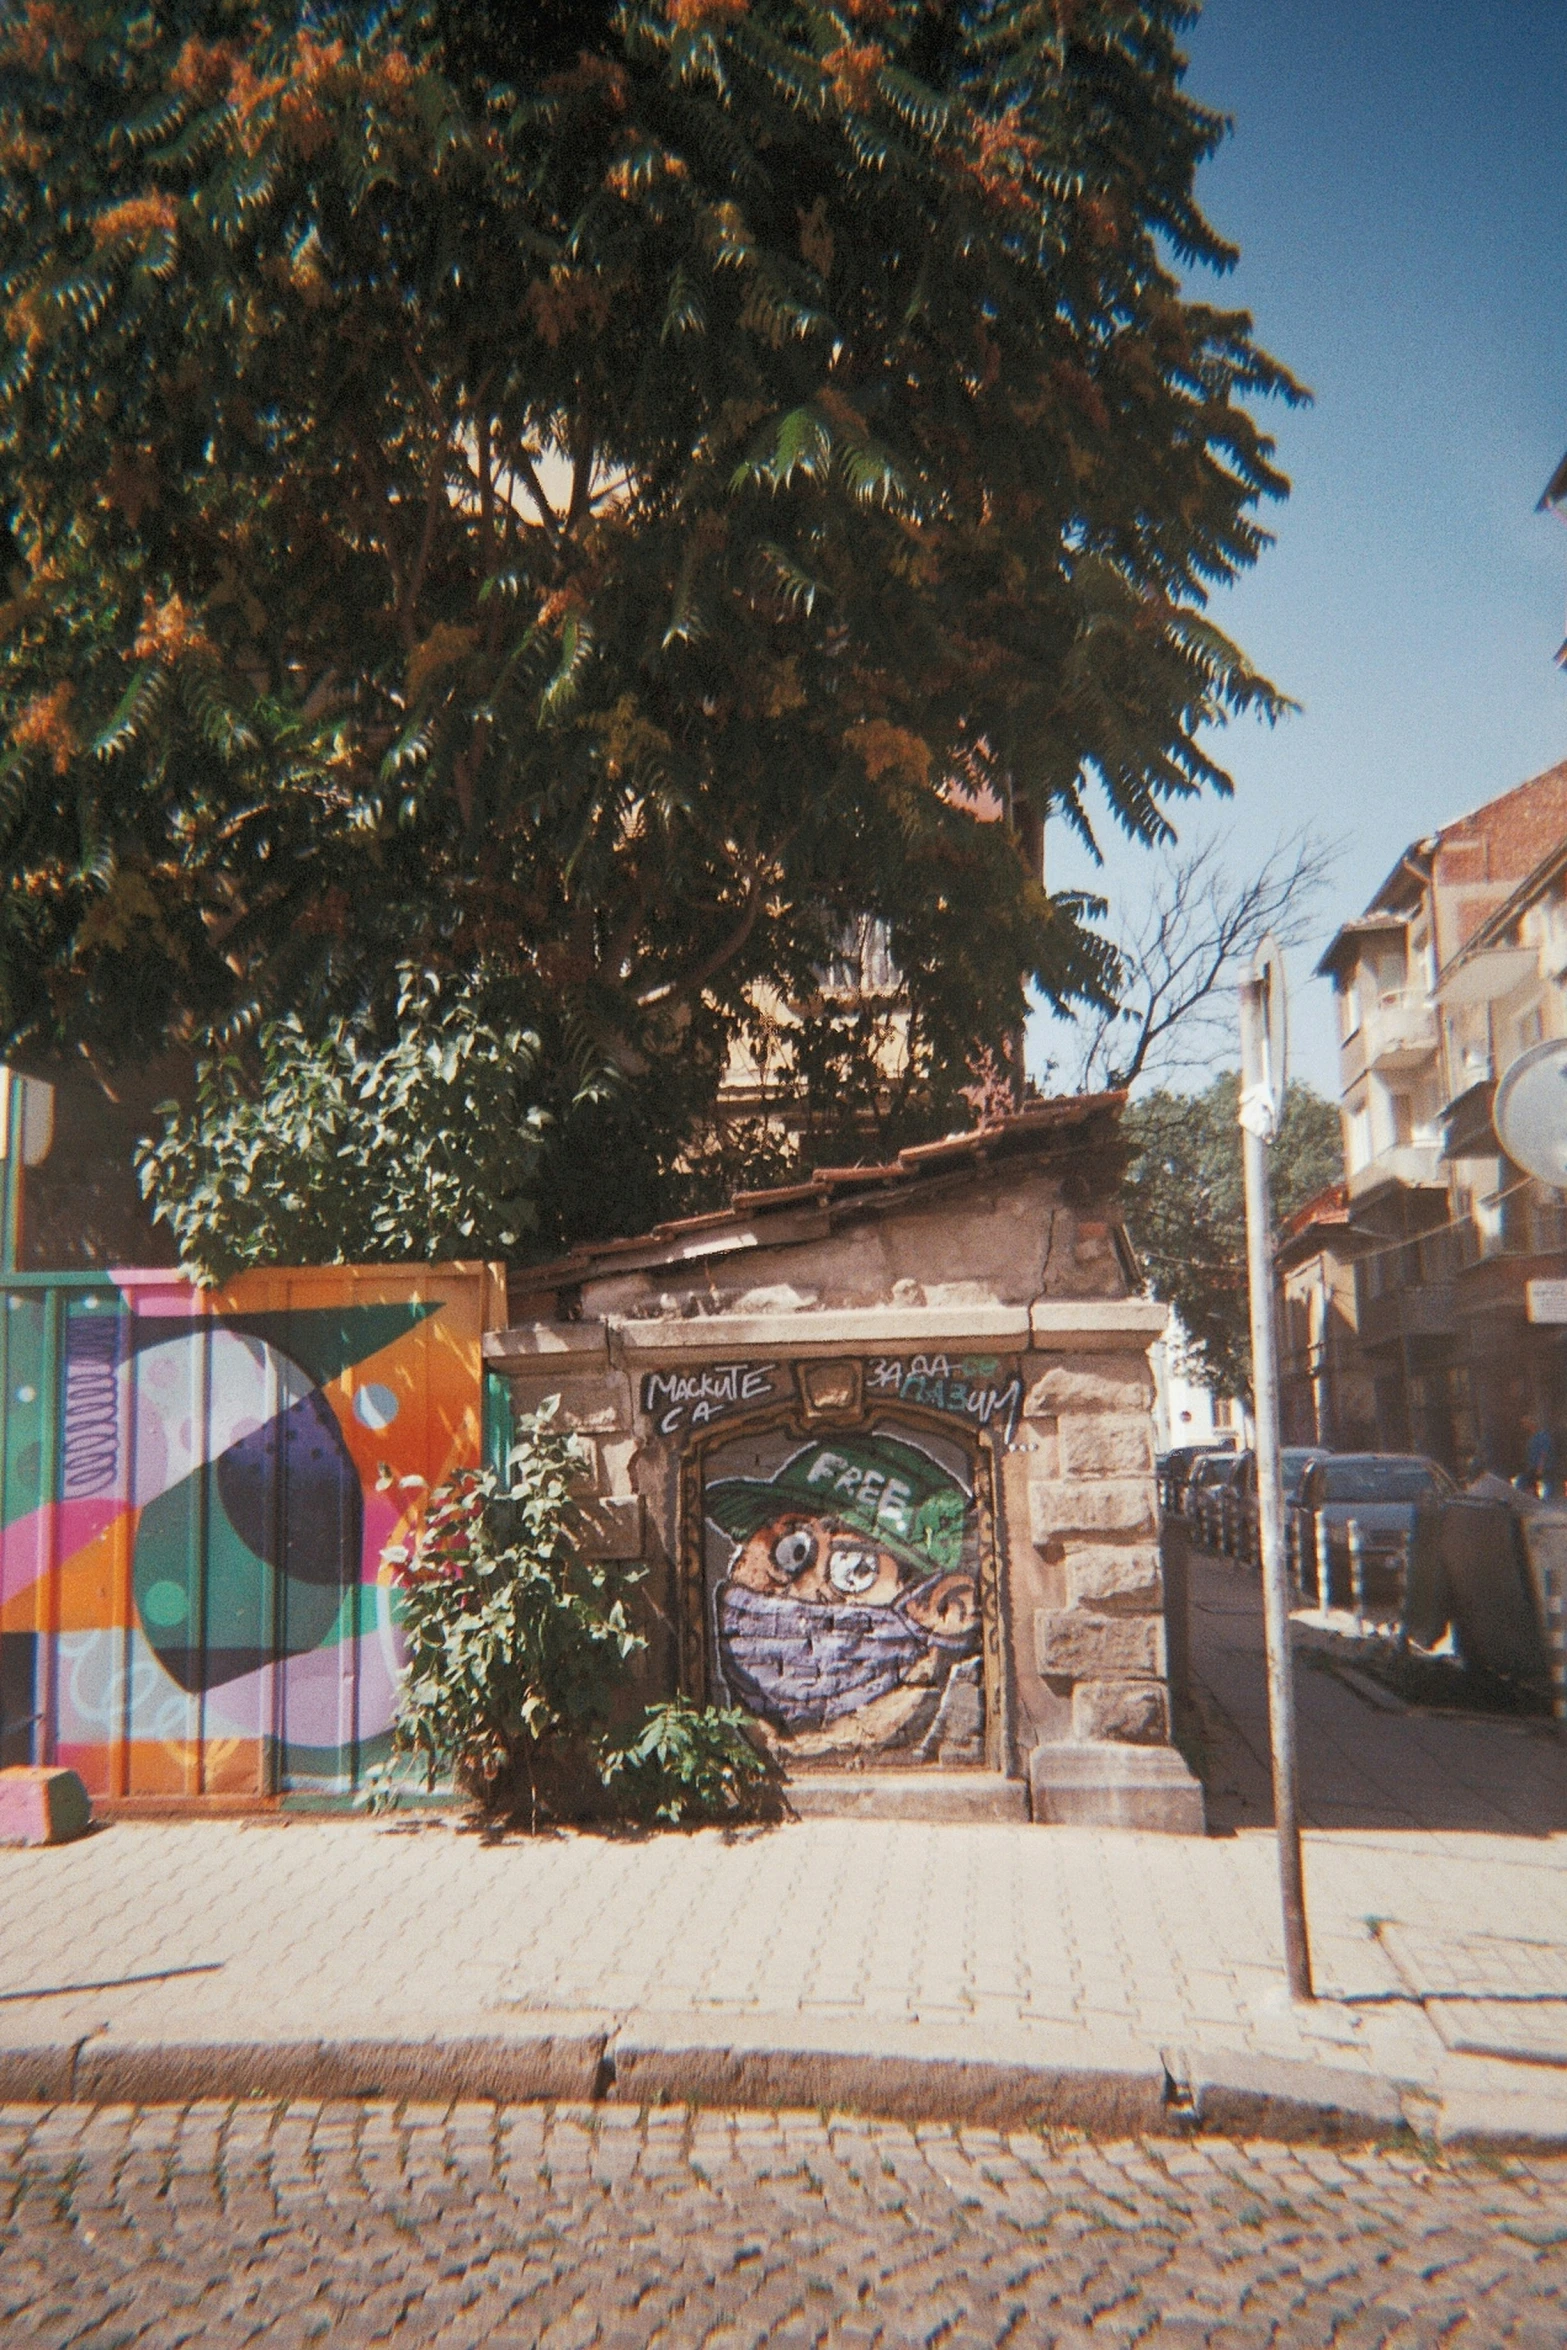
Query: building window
<point>1358,1143</point>
<point>1391,970</point>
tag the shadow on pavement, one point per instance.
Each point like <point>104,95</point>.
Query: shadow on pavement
<point>1363,1763</point>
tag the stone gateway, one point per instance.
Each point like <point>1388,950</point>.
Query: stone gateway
<point>884,1442</point>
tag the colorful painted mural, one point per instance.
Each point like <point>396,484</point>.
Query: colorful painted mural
<point>192,1516</point>
<point>843,1581</point>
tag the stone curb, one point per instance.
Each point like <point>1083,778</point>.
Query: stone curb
<point>552,2067</point>
<point>581,2061</point>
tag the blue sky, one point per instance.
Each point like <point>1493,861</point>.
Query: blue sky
<point>1397,183</point>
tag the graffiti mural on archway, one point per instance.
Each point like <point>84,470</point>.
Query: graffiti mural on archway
<point>841,1573</point>
<point>845,1591</point>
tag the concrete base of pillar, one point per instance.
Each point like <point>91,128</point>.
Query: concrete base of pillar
<point>1101,1785</point>
<point>952,1796</point>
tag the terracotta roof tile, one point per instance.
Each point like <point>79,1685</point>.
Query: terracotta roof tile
<point>1027,1129</point>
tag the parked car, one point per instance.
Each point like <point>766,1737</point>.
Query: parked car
<point>1243,1539</point>
<point>1212,1469</point>
<point>1174,1468</point>
<point>1230,1506</point>
<point>1219,1514</point>
<point>1383,1493</point>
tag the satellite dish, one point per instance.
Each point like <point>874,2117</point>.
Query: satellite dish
<point>1530,1112</point>
<point>1268,967</point>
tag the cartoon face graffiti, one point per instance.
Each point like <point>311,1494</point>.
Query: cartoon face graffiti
<point>847,1582</point>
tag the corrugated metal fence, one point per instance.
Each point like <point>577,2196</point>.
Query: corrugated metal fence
<point>191,1521</point>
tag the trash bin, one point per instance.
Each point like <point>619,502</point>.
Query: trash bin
<point>1544,1533</point>
<point>1489,1588</point>
<point>1428,1607</point>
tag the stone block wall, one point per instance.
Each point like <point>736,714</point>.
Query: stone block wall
<point>631,1514</point>
<point>1087,1711</point>
<point>1083,1519</point>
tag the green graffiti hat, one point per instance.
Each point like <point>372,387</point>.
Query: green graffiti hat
<point>891,1491</point>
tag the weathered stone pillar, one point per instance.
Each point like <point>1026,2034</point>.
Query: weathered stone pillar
<point>1088,1608</point>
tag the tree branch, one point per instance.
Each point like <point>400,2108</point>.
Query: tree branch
<point>672,989</point>
<point>1182,958</point>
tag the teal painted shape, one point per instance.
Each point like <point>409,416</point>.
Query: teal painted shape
<point>25,1485</point>
<point>207,1602</point>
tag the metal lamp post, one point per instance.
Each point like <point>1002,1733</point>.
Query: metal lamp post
<point>1261,1104</point>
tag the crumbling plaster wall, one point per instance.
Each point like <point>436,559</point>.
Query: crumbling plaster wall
<point>1006,1241</point>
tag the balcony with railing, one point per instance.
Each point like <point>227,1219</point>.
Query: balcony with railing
<point>1426,1312</point>
<point>1416,1163</point>
<point>1525,1220</point>
<point>1399,1029</point>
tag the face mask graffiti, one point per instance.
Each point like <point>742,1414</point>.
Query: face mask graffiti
<point>849,1596</point>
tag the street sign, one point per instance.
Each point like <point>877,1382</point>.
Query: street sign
<point>1546,1301</point>
<point>1268,966</point>
<point>1530,1112</point>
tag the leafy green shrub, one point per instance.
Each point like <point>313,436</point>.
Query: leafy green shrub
<point>342,1148</point>
<point>517,1651</point>
<point>515,1644</point>
<point>692,1763</point>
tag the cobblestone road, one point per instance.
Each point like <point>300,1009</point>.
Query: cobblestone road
<point>582,2226</point>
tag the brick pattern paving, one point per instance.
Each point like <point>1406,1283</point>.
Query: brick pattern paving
<point>583,2228</point>
<point>1014,1943</point>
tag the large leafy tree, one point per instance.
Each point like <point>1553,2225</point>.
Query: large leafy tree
<point>1186,1210</point>
<point>618,490</point>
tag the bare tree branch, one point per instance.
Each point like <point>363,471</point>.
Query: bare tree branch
<point>1183,953</point>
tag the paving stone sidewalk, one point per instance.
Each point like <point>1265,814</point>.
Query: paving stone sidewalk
<point>990,1973</point>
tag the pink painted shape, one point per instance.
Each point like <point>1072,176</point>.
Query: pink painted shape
<point>381,1522</point>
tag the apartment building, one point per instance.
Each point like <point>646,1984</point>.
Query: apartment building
<point>1455,967</point>
<point>1326,1394</point>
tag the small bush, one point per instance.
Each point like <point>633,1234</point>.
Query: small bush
<point>516,1645</point>
<point>692,1763</point>
<point>518,1650</point>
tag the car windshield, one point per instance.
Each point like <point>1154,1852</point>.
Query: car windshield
<point>1370,1479</point>
<point>1293,1466</point>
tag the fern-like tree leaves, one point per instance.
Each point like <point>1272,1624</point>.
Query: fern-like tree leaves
<point>478,479</point>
